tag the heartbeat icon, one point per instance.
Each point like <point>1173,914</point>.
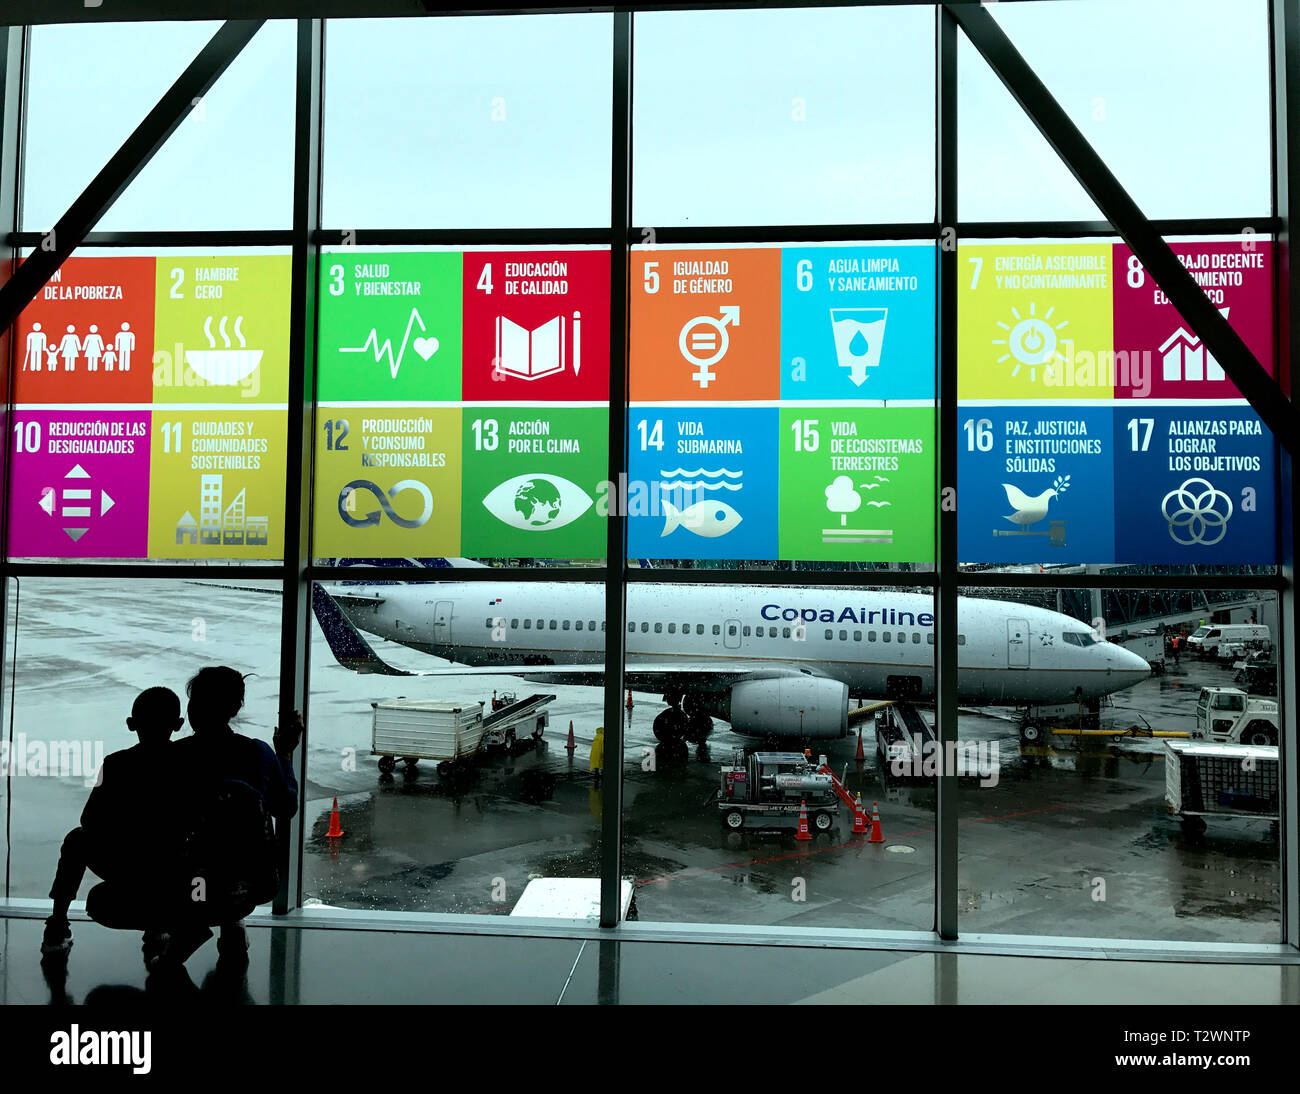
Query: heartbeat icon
<point>425,347</point>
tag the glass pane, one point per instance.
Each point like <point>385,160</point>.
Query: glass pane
<point>1119,91</point>
<point>716,774</point>
<point>468,123</point>
<point>77,653</point>
<point>1128,802</point>
<point>463,404</point>
<point>456,788</point>
<point>782,404</point>
<point>149,416</point>
<point>1095,428</point>
<point>228,165</point>
<point>765,117</point>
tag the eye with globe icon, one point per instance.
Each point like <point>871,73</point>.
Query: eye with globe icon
<point>537,501</point>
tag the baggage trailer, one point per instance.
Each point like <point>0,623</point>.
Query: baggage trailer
<point>450,733</point>
<point>1220,780</point>
<point>767,790</point>
<point>904,738</point>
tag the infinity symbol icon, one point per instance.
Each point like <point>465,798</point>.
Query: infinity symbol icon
<point>372,518</point>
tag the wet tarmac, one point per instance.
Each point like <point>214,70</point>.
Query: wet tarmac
<point>1070,841</point>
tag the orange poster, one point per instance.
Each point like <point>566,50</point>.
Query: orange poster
<point>705,325</point>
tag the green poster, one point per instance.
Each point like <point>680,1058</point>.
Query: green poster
<point>857,484</point>
<point>390,327</point>
<point>531,479</point>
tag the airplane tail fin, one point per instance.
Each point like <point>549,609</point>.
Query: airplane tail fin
<point>346,644</point>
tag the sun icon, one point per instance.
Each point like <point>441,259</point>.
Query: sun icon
<point>1031,342</point>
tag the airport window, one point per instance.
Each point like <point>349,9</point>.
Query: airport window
<point>1066,471</point>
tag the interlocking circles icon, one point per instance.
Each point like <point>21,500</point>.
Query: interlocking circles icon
<point>348,503</point>
<point>1197,515</point>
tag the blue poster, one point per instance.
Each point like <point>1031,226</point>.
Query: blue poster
<point>857,322</point>
<point>1193,484</point>
<point>702,483</point>
<point>1035,484</point>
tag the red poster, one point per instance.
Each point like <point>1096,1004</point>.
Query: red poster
<point>536,326</point>
<point>1156,354</point>
<point>88,335</point>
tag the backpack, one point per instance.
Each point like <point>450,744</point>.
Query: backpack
<point>231,845</point>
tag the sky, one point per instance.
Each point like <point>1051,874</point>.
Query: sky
<point>740,117</point>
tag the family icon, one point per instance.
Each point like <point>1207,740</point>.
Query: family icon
<point>70,347</point>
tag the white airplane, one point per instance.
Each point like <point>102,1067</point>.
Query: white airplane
<point>771,661</point>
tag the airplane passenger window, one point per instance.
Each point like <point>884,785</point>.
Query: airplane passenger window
<point>886,636</point>
<point>902,637</point>
<point>929,639</point>
<point>528,624</point>
<point>961,640</point>
<point>857,636</point>
<point>578,625</point>
<point>645,628</point>
<point>541,624</point>
<point>631,628</point>
<point>916,638</point>
<point>745,631</point>
<point>731,630</point>
<point>514,624</point>
<point>699,628</point>
<point>871,635</point>
<point>844,635</point>
<point>591,625</point>
<point>659,628</point>
<point>552,624</point>
<point>785,632</point>
<point>488,622</point>
<point>566,625</point>
<point>672,628</point>
<point>831,634</point>
<point>717,629</point>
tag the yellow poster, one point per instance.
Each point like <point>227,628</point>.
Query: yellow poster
<point>1035,321</point>
<point>217,484</point>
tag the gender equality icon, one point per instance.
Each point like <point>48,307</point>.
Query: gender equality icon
<point>703,341</point>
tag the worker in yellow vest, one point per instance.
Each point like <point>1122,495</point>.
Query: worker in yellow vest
<point>597,762</point>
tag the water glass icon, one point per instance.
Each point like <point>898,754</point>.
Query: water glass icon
<point>859,335</point>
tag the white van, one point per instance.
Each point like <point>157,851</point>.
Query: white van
<point>1207,640</point>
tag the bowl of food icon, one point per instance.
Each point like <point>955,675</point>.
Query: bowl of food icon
<point>223,366</point>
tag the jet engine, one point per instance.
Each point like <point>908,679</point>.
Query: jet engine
<point>790,706</point>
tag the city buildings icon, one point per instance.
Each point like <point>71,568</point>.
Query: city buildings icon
<point>230,526</point>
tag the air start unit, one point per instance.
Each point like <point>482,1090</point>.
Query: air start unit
<point>765,790</point>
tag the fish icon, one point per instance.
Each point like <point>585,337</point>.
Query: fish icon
<point>705,518</point>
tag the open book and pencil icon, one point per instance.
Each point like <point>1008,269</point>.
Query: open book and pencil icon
<point>533,354</point>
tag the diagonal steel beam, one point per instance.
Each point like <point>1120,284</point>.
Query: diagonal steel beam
<point>1174,279</point>
<point>126,163</point>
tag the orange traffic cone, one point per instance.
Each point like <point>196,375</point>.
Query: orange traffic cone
<point>859,818</point>
<point>571,745</point>
<point>335,831</point>
<point>629,698</point>
<point>876,835</point>
<point>861,755</point>
<point>802,833</point>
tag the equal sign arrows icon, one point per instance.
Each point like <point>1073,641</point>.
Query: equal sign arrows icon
<point>77,501</point>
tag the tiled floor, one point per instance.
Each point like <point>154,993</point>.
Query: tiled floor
<point>290,965</point>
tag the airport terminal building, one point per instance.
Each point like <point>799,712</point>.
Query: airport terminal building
<point>752,503</point>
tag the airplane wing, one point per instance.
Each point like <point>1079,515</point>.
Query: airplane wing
<point>352,651</point>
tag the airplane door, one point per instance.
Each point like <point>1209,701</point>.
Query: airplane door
<point>442,622</point>
<point>1017,644</point>
<point>731,634</point>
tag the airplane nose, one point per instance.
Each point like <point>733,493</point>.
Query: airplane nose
<point>1132,663</point>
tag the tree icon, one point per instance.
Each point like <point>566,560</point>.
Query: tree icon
<point>842,498</point>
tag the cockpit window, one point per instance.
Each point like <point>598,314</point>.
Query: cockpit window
<point>1079,638</point>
